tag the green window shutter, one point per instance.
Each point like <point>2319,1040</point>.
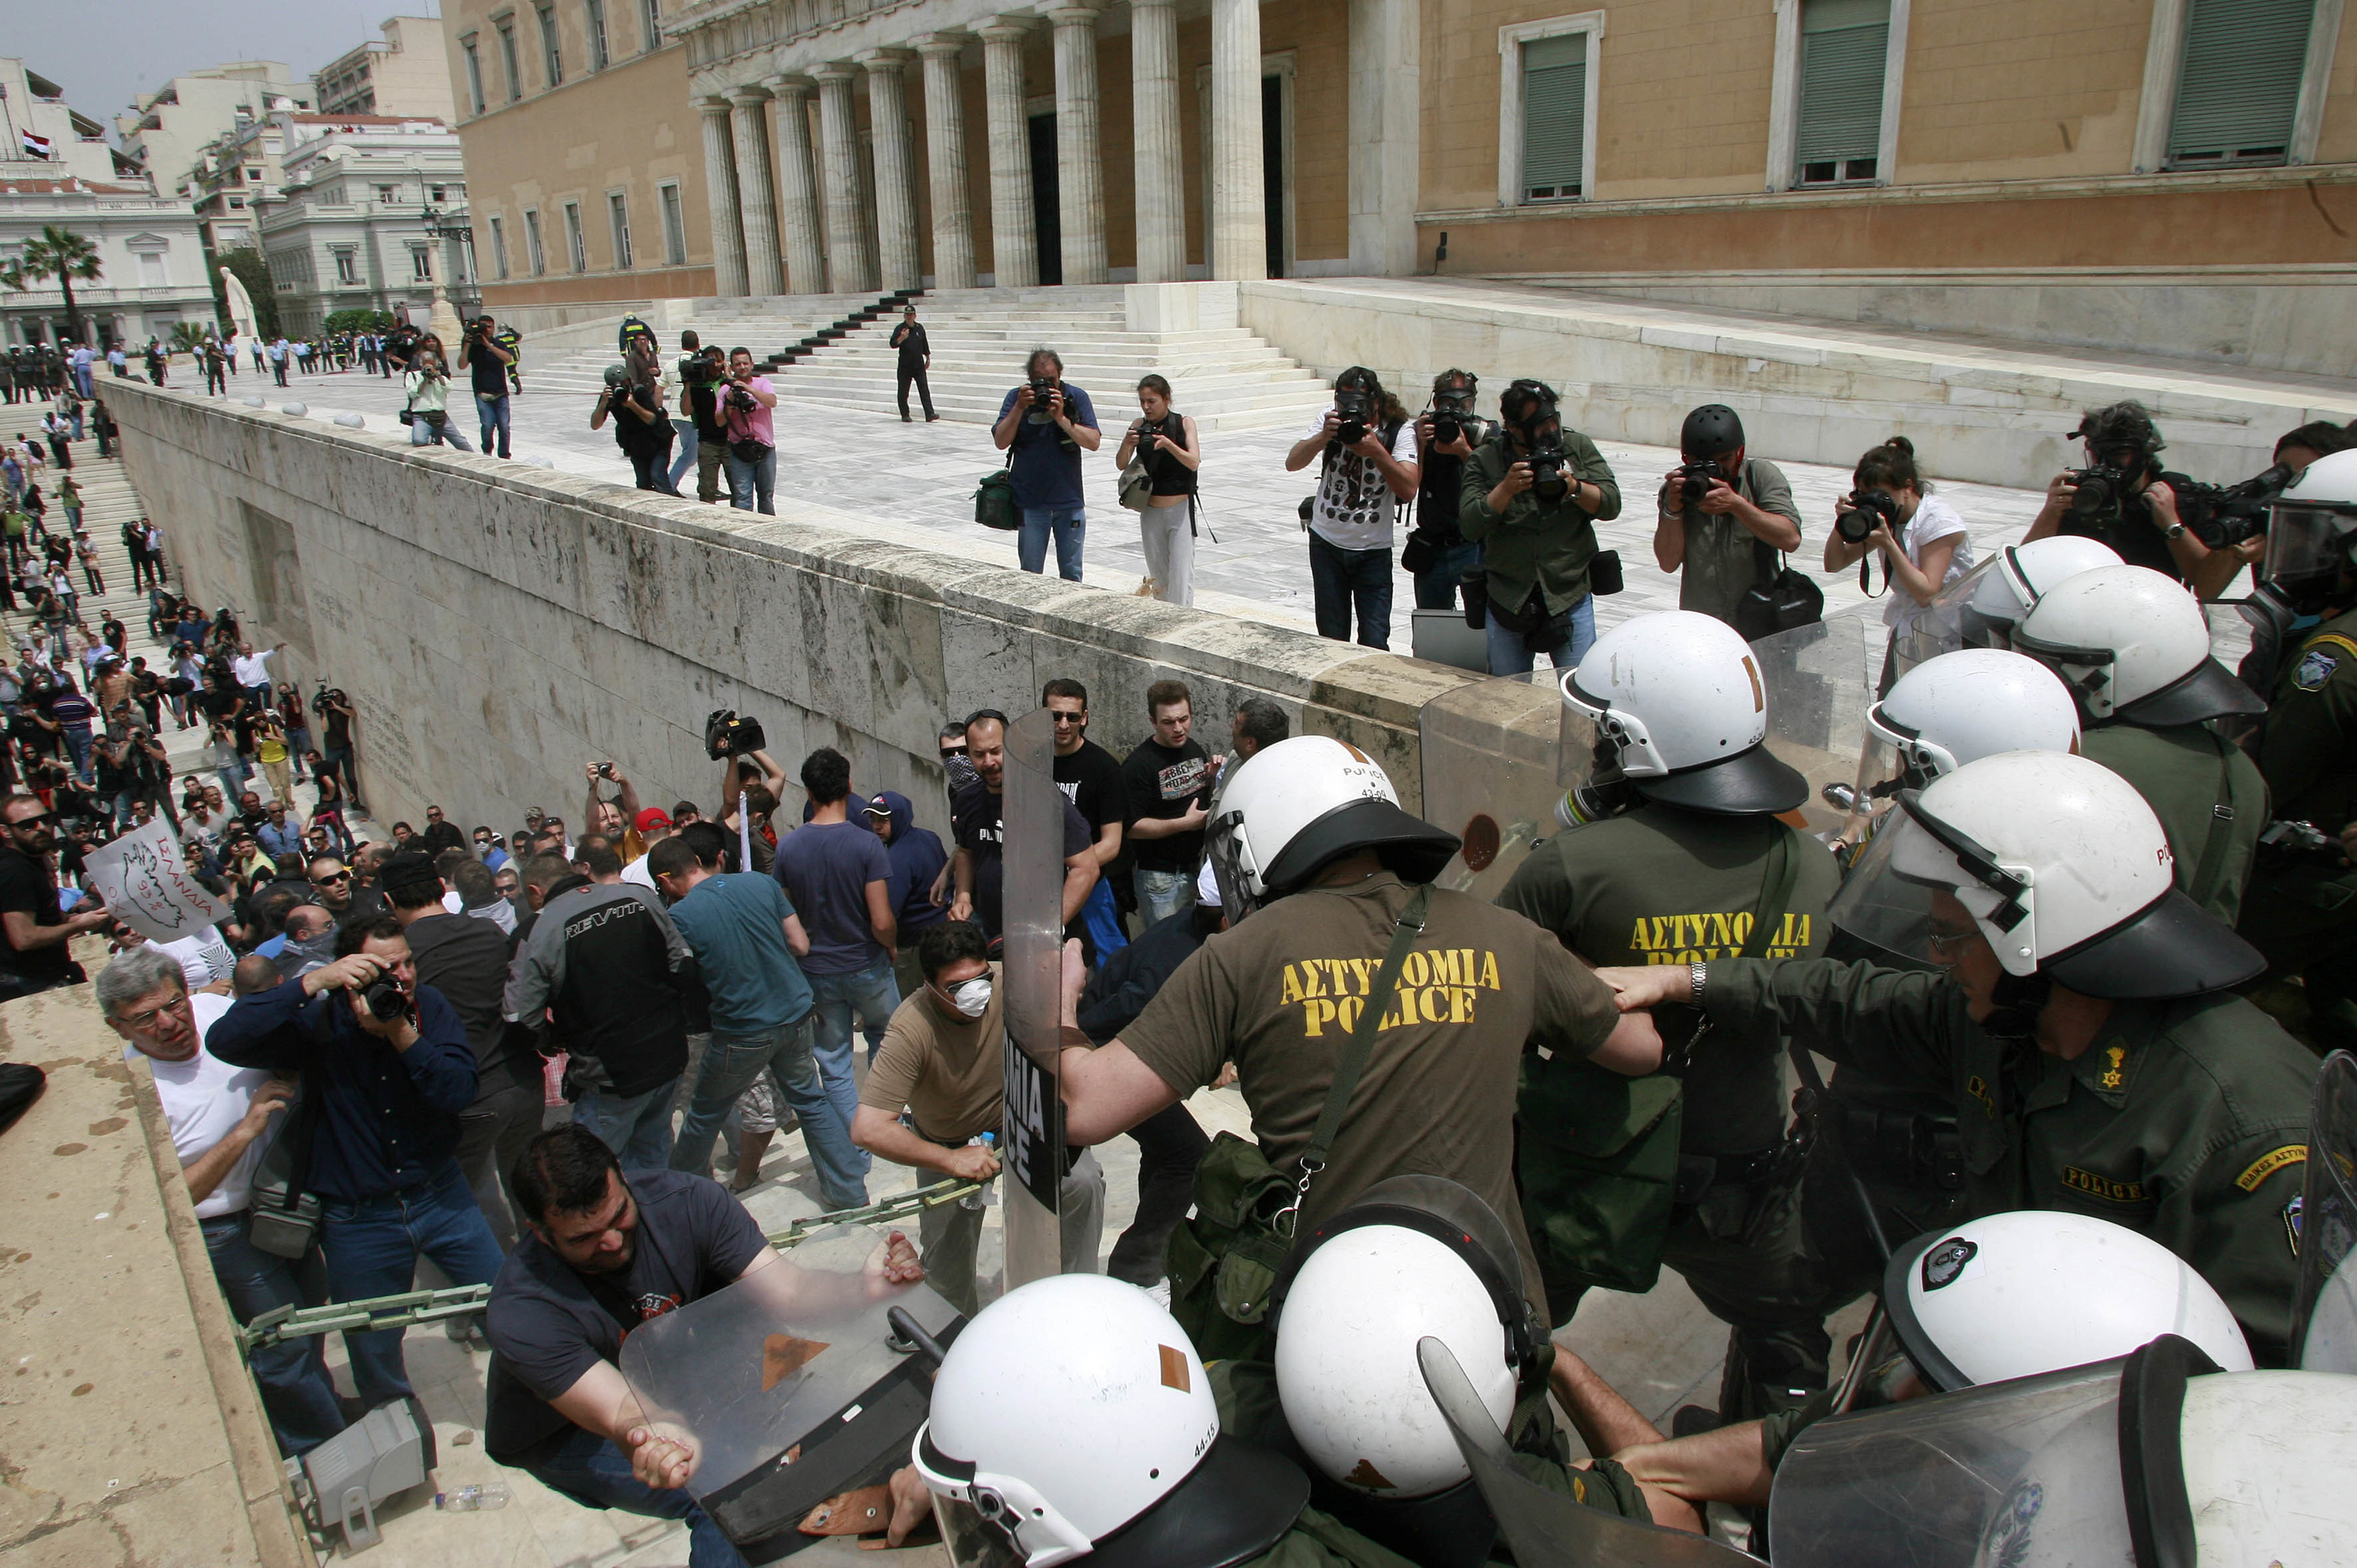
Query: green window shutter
<point>1844,46</point>
<point>1554,110</point>
<point>2239,84</point>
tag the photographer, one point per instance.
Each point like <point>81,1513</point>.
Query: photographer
<point>336,717</point>
<point>1530,498</point>
<point>1923,543</point>
<point>686,441</point>
<point>1723,515</point>
<point>2121,499</point>
<point>1367,448</point>
<point>428,384</point>
<point>702,378</point>
<point>641,429</point>
<point>488,363</point>
<point>1437,555</point>
<point>751,432</point>
<point>1165,444</point>
<point>1043,427</point>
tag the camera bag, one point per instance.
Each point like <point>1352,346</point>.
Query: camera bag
<point>993,502</point>
<point>1778,599</point>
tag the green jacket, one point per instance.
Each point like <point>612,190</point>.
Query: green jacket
<point>2210,798</point>
<point>2308,743</point>
<point>2185,1120</point>
<point>1533,543</point>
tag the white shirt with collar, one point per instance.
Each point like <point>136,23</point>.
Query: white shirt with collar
<point>204,1099</point>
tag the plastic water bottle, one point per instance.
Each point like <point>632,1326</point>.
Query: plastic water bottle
<point>980,1197</point>
<point>468,1499</point>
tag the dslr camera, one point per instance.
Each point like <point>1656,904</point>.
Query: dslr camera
<point>1689,482</point>
<point>1043,391</point>
<point>1452,415</point>
<point>387,1000</point>
<point>1351,402</point>
<point>726,735</point>
<point>1856,523</point>
<point>2099,492</point>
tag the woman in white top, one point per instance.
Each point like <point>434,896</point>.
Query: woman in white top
<point>1924,548</point>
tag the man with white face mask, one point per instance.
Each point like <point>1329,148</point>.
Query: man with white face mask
<point>937,1086</point>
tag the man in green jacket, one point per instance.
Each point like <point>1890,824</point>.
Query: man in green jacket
<point>2083,1025</point>
<point>1533,493</point>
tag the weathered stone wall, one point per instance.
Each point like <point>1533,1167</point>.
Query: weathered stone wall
<point>500,624</point>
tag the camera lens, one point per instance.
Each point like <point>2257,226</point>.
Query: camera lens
<point>1856,525</point>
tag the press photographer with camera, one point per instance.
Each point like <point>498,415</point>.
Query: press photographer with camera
<point>336,716</point>
<point>1437,554</point>
<point>751,433</point>
<point>1724,516</point>
<point>427,410</point>
<point>1366,447</point>
<point>488,363</point>
<point>703,377</point>
<point>1531,496</point>
<point>1043,427</point>
<point>1167,448</point>
<point>1923,543</point>
<point>2124,497</point>
<point>686,439</point>
<point>641,428</point>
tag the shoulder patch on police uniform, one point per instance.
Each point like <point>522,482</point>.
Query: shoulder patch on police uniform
<point>2109,1188</point>
<point>1945,1263</point>
<point>2266,1165</point>
<point>2320,659</point>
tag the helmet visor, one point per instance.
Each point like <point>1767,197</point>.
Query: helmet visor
<point>1963,605</point>
<point>2324,1329</point>
<point>1893,898</point>
<point>2307,542</point>
<point>1227,854</point>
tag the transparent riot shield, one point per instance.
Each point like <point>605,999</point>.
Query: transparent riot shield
<point>1547,1529</point>
<point>1495,758</point>
<point>1031,1144</point>
<point>1819,683</point>
<point>2324,1319</point>
<point>784,1386</point>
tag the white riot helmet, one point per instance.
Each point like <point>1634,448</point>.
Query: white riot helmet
<point>2061,866</point>
<point>2014,1295</point>
<point>2134,646</point>
<point>1412,1257</point>
<point>1678,697</point>
<point>2312,532</point>
<point>1291,808</point>
<point>1971,703</point>
<point>1074,1408</point>
<point>1994,596</point>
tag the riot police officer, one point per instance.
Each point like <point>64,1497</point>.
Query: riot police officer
<point>2097,1061</point>
<point>1687,863</point>
<point>2133,648</point>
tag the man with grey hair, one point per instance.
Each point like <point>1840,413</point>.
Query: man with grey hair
<point>220,1116</point>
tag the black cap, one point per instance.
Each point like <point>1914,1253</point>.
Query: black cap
<point>407,869</point>
<point>1711,431</point>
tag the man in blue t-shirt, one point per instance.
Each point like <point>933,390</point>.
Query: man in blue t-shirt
<point>838,875</point>
<point>746,938</point>
<point>1043,427</point>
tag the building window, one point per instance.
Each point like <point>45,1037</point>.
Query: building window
<point>506,26</point>
<point>551,57</point>
<point>440,193</point>
<point>151,269</point>
<point>533,251</point>
<point>617,217</point>
<point>253,175</point>
<point>2238,87</point>
<point>421,263</point>
<point>674,225</point>
<point>387,194</point>
<point>237,203</point>
<point>1844,47</point>
<point>1554,107</point>
<point>595,16</point>
<point>348,269</point>
<point>574,247</point>
<point>499,248</point>
<point>474,73</point>
<point>650,24</point>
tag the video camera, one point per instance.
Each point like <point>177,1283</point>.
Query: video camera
<point>2224,515</point>
<point>726,735</point>
<point>1689,482</point>
<point>1873,508</point>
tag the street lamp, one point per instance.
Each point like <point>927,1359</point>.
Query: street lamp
<point>442,227</point>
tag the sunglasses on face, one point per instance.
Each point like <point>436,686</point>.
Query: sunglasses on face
<point>332,878</point>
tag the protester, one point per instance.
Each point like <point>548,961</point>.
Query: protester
<point>917,863</point>
<point>837,876</point>
<point>1166,781</point>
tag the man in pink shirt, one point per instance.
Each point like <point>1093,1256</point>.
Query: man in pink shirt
<point>745,405</point>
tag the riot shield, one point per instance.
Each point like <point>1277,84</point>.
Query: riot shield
<point>1819,681</point>
<point>1547,1528</point>
<point>2324,1319</point>
<point>1031,1144</point>
<point>1497,757</point>
<point>785,1387</point>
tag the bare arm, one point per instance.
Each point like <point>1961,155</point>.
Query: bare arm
<point>1729,1466</point>
<point>1108,1091</point>
<point>1669,540</point>
<point>1192,453</point>
<point>207,1171</point>
<point>797,938</point>
<point>880,1132</point>
<point>1080,876</point>
<point>1165,827</point>
<point>961,878</point>
<point>1305,451</point>
<point>1002,435</point>
<point>23,934</point>
<point>880,923</point>
<point>1107,848</point>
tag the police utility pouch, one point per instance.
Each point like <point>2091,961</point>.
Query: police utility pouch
<point>1226,1257</point>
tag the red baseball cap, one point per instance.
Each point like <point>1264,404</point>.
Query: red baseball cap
<point>653,816</point>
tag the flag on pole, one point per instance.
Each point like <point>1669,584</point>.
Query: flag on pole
<point>36,146</point>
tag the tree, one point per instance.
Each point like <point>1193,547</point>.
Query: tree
<point>188,336</point>
<point>254,274</point>
<point>357,321</point>
<point>58,253</point>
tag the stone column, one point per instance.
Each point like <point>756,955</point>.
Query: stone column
<point>852,269</point>
<point>1239,213</point>
<point>901,262</point>
<point>720,193</point>
<point>1014,237</point>
<point>1154,111</point>
<point>798,218</point>
<point>1386,152</point>
<point>764,275</point>
<point>1080,164</point>
<point>946,160</point>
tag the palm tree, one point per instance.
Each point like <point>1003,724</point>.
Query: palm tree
<point>58,253</point>
<point>188,336</point>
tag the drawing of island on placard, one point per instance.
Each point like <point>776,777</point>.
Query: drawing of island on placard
<point>148,884</point>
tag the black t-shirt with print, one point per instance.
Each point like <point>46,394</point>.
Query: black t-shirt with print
<point>1163,782</point>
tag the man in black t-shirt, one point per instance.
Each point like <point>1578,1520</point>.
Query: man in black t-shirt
<point>976,817</point>
<point>1168,781</point>
<point>701,376</point>
<point>37,931</point>
<point>602,1256</point>
<point>1090,778</point>
<point>336,716</point>
<point>488,363</point>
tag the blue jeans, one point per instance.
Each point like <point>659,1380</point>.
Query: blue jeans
<point>870,993</point>
<point>590,1469</point>
<point>372,1245</point>
<point>1510,653</point>
<point>1162,894</point>
<point>492,412</point>
<point>731,1063</point>
<point>77,737</point>
<point>297,1393</point>
<point>684,429</point>
<point>1069,524</point>
<point>422,434</point>
<point>1343,578</point>
<point>637,1127</point>
<point>1436,589</point>
<point>748,480</point>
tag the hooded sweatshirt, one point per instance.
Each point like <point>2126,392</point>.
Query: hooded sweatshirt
<point>917,858</point>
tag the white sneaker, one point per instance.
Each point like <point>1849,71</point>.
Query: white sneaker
<point>1160,1291</point>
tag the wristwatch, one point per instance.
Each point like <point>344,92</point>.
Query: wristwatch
<point>1696,973</point>
<point>2174,530</point>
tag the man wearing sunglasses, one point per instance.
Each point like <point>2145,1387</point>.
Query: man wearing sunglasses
<point>36,928</point>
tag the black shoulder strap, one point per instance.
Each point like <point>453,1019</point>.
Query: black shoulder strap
<point>2215,841</point>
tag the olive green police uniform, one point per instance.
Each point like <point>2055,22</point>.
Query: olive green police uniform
<point>2210,798</point>
<point>1658,886</point>
<point>2185,1120</point>
<point>2302,908</point>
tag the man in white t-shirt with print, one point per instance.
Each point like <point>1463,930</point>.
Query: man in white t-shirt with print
<point>1366,448</point>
